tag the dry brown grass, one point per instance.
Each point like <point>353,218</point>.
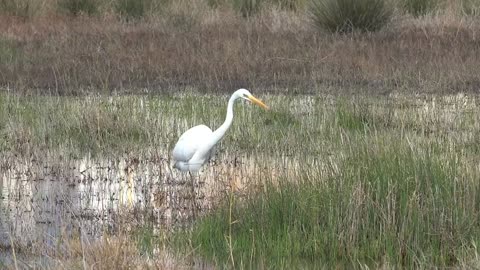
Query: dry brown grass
<point>216,50</point>
<point>116,252</point>
<point>121,251</point>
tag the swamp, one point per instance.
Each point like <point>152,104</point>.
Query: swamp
<point>368,156</point>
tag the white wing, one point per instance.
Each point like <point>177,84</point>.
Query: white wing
<point>189,142</point>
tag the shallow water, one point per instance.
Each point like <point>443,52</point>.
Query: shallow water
<point>43,200</point>
<point>46,200</point>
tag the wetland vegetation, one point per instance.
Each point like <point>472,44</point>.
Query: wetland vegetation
<point>326,181</point>
<point>368,157</point>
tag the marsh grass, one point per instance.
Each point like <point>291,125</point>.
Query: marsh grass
<point>294,5</point>
<point>389,203</point>
<point>77,7</point>
<point>420,7</point>
<point>132,10</point>
<point>471,7</point>
<point>391,196</point>
<point>121,251</point>
<point>247,8</point>
<point>80,126</point>
<point>335,182</point>
<point>9,51</point>
<point>21,8</point>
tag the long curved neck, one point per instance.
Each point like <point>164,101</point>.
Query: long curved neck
<point>220,132</point>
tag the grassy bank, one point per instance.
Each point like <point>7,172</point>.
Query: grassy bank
<point>328,181</point>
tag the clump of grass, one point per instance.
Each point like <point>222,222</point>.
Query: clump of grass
<point>419,7</point>
<point>146,240</point>
<point>138,9</point>
<point>131,9</point>
<point>281,119</point>
<point>77,7</point>
<point>215,3</point>
<point>471,7</point>
<point>9,51</point>
<point>20,8</point>
<point>349,15</point>
<point>110,252</point>
<point>247,8</point>
<point>351,117</point>
<point>289,4</point>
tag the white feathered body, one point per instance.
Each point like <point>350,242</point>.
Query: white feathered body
<point>195,147</point>
<point>192,149</point>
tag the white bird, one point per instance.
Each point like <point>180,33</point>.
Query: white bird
<point>195,146</point>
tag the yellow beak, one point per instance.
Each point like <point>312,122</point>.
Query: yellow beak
<point>258,102</point>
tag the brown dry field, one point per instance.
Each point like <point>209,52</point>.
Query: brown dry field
<point>217,51</point>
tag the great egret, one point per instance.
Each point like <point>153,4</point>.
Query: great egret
<point>195,146</point>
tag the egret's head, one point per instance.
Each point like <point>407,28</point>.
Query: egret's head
<point>245,94</point>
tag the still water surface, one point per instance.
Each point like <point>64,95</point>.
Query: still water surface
<point>42,200</point>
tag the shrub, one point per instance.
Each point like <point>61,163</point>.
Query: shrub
<point>350,15</point>
<point>247,8</point>
<point>131,9</point>
<point>289,4</point>
<point>419,7</point>
<point>136,9</point>
<point>77,7</point>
